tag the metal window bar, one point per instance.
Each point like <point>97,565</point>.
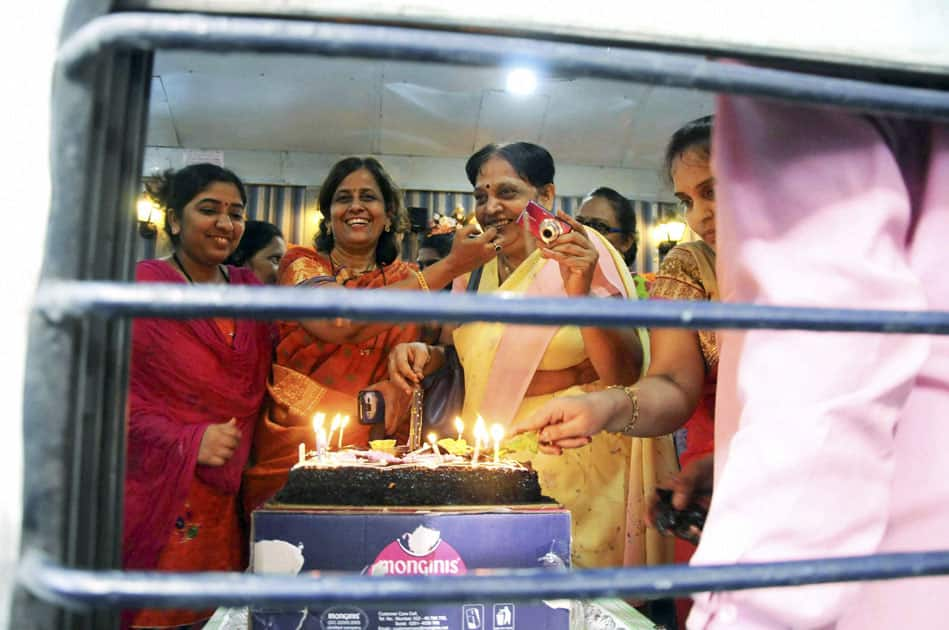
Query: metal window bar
<point>60,300</point>
<point>82,589</point>
<point>74,402</point>
<point>148,31</point>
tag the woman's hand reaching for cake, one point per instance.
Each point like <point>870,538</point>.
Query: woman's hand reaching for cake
<point>409,363</point>
<point>571,421</point>
<point>218,443</point>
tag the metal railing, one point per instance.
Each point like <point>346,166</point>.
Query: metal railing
<point>88,589</point>
<point>148,31</point>
<point>67,304</point>
<point>60,299</point>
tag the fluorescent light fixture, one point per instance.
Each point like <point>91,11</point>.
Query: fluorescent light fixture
<point>521,81</point>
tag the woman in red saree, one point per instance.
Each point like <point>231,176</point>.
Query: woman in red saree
<point>195,390</point>
<point>322,365</point>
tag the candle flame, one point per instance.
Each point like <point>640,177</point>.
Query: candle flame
<point>318,420</point>
<point>480,430</point>
<point>497,432</point>
<point>459,425</point>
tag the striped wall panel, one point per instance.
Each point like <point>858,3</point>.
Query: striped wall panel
<point>284,206</point>
<point>294,209</point>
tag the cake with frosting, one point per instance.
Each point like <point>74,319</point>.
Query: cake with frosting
<point>376,478</point>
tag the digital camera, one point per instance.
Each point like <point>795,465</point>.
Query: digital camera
<point>542,224</point>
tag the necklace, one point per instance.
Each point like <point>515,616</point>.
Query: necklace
<point>338,265</point>
<point>505,268</point>
<point>225,326</point>
<point>174,256</point>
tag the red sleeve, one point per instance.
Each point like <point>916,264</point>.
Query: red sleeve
<point>156,271</point>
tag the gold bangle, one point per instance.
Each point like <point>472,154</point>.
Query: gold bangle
<point>631,393</point>
<point>421,281</point>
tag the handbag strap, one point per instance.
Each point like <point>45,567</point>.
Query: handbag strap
<point>474,280</point>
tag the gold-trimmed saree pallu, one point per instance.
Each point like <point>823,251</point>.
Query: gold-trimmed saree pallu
<point>604,484</point>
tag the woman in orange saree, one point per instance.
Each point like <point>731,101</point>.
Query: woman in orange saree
<point>322,365</point>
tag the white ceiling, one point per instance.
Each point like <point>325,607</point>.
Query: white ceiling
<point>346,106</point>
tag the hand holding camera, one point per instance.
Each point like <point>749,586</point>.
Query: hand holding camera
<point>564,240</point>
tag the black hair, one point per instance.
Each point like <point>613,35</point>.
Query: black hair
<point>175,189</point>
<point>387,249</point>
<point>695,134</point>
<point>532,162</point>
<point>257,235</point>
<point>625,218</point>
<point>441,243</point>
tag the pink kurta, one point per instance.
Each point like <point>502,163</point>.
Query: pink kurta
<point>829,444</point>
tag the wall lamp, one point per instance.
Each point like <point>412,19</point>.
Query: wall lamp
<point>668,234</point>
<point>148,217</point>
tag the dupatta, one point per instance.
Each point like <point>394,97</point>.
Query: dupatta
<point>521,348</point>
<point>184,376</point>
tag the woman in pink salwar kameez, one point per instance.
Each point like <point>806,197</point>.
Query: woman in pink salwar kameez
<point>829,444</point>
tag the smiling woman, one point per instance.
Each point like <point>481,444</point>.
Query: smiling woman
<point>185,459</point>
<point>510,371</point>
<point>322,365</point>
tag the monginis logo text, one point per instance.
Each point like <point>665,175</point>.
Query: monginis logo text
<point>420,552</point>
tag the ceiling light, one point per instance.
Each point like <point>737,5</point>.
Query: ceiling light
<point>521,81</point>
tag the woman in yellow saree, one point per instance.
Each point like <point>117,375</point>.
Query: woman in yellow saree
<point>511,370</point>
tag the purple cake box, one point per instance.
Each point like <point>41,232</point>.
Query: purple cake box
<point>411,541</point>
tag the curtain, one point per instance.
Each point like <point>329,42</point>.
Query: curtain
<point>284,206</point>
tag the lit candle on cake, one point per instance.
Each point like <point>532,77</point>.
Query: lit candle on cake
<point>479,433</point>
<point>342,425</point>
<point>318,421</point>
<point>419,451</point>
<point>333,426</point>
<point>433,440</point>
<point>301,452</point>
<point>497,433</point>
<point>321,442</point>
<point>460,426</point>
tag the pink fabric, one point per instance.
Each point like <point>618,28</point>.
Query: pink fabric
<point>827,444</point>
<point>524,346</point>
<point>184,376</point>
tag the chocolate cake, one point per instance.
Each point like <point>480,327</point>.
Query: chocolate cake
<point>409,484</point>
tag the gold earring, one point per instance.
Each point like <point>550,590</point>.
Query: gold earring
<point>388,227</point>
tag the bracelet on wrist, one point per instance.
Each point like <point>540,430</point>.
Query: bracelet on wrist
<point>421,281</point>
<point>631,393</point>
